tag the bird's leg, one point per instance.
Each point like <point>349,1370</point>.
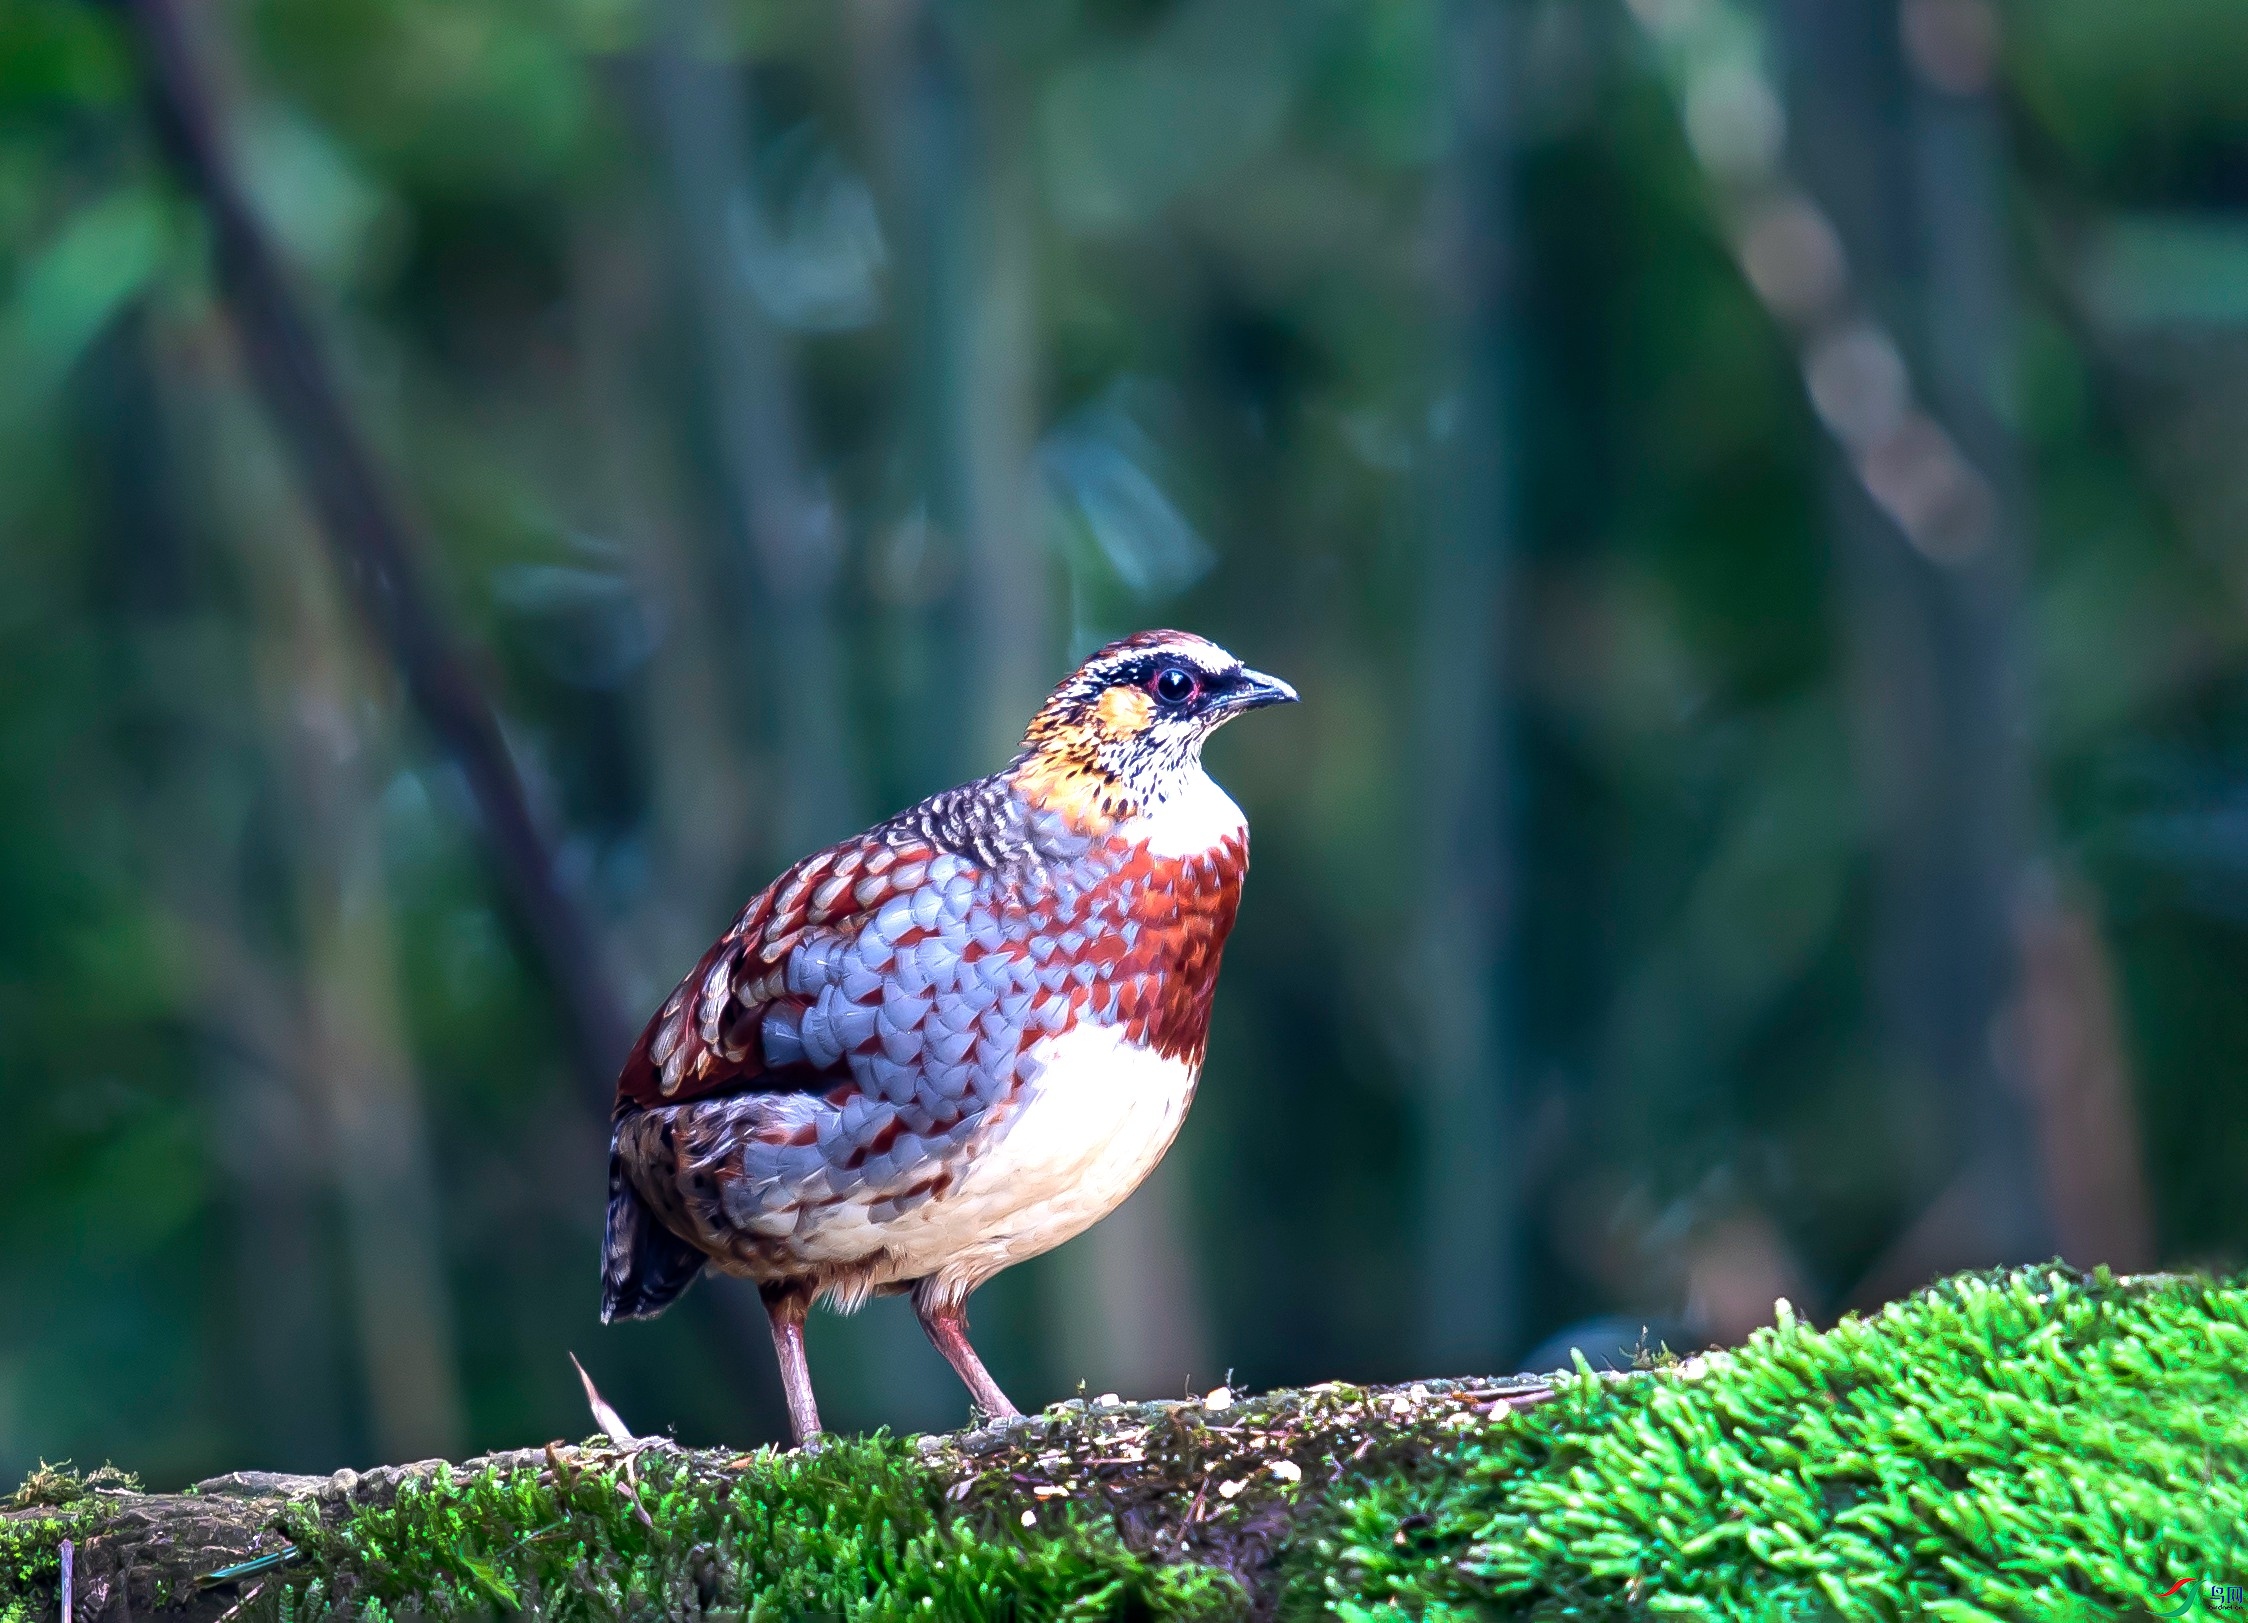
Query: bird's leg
<point>946,1322</point>
<point>786,1307</point>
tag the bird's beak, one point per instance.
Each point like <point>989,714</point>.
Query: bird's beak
<point>1253,690</point>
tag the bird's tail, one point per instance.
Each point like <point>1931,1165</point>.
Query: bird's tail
<point>644,1266</point>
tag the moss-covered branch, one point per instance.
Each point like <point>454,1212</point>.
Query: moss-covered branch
<point>2034,1445</point>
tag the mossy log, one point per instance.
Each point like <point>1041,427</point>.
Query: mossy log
<point>2038,1444</point>
<point>1212,1483</point>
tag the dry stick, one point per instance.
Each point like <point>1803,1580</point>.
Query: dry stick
<point>611,1423</point>
<point>68,1575</point>
<point>374,546</point>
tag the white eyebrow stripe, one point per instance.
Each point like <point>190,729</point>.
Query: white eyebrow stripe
<point>1210,660</point>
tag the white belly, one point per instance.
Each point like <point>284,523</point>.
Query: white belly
<point>1081,1138</point>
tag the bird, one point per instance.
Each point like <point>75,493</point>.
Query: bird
<point>955,1041</point>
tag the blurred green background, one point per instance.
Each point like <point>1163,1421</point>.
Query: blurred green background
<point>1753,500</point>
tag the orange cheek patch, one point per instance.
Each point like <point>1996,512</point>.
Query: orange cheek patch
<point>1124,712</point>
<point>1070,786</point>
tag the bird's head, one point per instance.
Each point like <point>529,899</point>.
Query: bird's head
<point>1124,732</point>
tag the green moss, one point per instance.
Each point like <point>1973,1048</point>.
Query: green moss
<point>861,1530</point>
<point>2040,1445</point>
<point>52,1504</point>
<point>31,1561</point>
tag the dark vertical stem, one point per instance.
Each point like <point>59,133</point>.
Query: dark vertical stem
<point>772,503</point>
<point>1470,1227</point>
<point>375,549</point>
<point>1913,190</point>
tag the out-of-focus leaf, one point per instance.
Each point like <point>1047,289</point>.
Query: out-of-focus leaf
<point>1131,128</point>
<point>62,52</point>
<point>589,627</point>
<point>102,257</point>
<point>810,245</point>
<point>1104,474</point>
<point>310,193</point>
<point>2171,270</point>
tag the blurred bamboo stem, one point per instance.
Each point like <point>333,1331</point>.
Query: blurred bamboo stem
<point>1470,1219</point>
<point>1932,606</point>
<point>985,356</point>
<point>380,1146</point>
<point>701,794</point>
<point>1128,1292</point>
<point>378,1143</point>
<point>2069,1030</point>
<point>1864,208</point>
<point>375,549</point>
<point>788,530</point>
<point>268,1126</point>
<point>959,195</point>
<point>356,1069</point>
<point>1131,1315</point>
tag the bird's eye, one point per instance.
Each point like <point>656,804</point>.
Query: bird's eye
<point>1174,686</point>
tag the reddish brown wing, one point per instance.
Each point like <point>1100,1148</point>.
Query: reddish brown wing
<point>706,1038</point>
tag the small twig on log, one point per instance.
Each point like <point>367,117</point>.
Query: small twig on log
<point>375,549</point>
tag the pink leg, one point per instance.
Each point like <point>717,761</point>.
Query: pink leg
<point>947,1325</point>
<point>786,1309</point>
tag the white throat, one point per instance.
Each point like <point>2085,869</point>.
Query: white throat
<point>1193,816</point>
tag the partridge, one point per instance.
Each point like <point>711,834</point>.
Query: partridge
<point>954,1041</point>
